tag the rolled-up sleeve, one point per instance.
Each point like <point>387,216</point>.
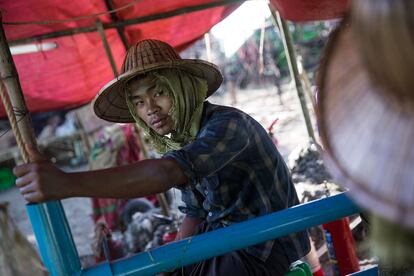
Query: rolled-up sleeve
<point>193,203</point>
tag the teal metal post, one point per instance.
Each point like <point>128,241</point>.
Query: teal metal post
<point>230,238</point>
<point>54,238</point>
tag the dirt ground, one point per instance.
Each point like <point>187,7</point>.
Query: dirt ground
<point>262,104</point>
<point>78,212</point>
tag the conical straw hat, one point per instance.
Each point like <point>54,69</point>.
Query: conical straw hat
<point>367,130</point>
<point>145,56</point>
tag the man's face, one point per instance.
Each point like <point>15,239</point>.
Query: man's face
<point>151,105</point>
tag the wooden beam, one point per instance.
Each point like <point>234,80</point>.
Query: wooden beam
<point>121,30</point>
<point>127,22</point>
<point>101,31</point>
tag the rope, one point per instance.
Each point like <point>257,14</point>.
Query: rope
<point>56,21</point>
<point>13,122</point>
<point>9,128</point>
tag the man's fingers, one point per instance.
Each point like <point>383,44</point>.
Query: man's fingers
<point>31,197</point>
<point>21,170</point>
<point>27,189</point>
<point>32,193</point>
<point>23,181</point>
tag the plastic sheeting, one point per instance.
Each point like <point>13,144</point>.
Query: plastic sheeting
<point>71,74</point>
<point>309,10</point>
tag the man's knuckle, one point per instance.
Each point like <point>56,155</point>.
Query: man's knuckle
<point>41,196</point>
<point>36,179</point>
<point>35,167</point>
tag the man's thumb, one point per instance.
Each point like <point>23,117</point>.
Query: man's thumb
<point>34,154</point>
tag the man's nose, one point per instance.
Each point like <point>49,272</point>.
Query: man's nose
<point>153,108</point>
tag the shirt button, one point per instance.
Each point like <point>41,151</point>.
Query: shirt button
<point>210,214</point>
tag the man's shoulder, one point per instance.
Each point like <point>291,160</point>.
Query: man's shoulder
<point>217,111</point>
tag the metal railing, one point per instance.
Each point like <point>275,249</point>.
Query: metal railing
<point>190,250</point>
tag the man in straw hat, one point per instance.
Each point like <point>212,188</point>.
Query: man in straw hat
<point>222,160</point>
<point>366,119</point>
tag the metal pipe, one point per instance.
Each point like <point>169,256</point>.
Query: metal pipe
<point>54,238</point>
<point>241,235</point>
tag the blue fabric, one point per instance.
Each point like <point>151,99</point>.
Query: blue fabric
<point>235,173</point>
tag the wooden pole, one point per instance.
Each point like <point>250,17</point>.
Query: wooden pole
<point>105,43</point>
<point>48,220</point>
<point>121,32</point>
<point>293,67</point>
<point>207,41</point>
<point>261,47</point>
<point>13,122</point>
<point>10,79</point>
<point>126,22</point>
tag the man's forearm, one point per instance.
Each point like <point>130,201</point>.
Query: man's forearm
<point>188,227</point>
<point>140,179</point>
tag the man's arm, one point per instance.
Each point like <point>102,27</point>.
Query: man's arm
<point>42,181</point>
<point>188,227</point>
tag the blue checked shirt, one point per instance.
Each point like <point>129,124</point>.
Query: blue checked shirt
<point>235,173</point>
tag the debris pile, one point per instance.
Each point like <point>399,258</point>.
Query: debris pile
<point>307,165</point>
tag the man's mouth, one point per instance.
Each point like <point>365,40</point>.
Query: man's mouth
<point>159,122</point>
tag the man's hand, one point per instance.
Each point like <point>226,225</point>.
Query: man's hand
<point>42,181</point>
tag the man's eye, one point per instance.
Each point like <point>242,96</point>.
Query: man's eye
<point>139,102</point>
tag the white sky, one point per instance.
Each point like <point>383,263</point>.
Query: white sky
<point>239,25</point>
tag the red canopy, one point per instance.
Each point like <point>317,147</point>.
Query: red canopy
<point>308,10</point>
<point>71,74</point>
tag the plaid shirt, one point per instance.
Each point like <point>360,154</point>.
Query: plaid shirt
<point>235,173</point>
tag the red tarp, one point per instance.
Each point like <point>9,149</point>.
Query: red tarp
<point>309,10</point>
<point>72,74</point>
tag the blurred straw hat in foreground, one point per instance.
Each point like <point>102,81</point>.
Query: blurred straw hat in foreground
<point>366,107</point>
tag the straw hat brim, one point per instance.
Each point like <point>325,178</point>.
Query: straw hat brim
<point>368,139</point>
<point>110,103</point>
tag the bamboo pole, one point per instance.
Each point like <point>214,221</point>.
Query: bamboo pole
<point>207,41</point>
<point>110,6</point>
<point>142,144</point>
<point>308,87</point>
<point>83,135</point>
<point>293,67</point>
<point>100,29</point>
<point>127,22</point>
<point>48,220</point>
<point>261,47</point>
<point>10,79</point>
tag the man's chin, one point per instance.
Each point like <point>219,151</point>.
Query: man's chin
<point>163,132</point>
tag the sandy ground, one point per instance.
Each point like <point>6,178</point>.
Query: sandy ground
<point>262,104</point>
